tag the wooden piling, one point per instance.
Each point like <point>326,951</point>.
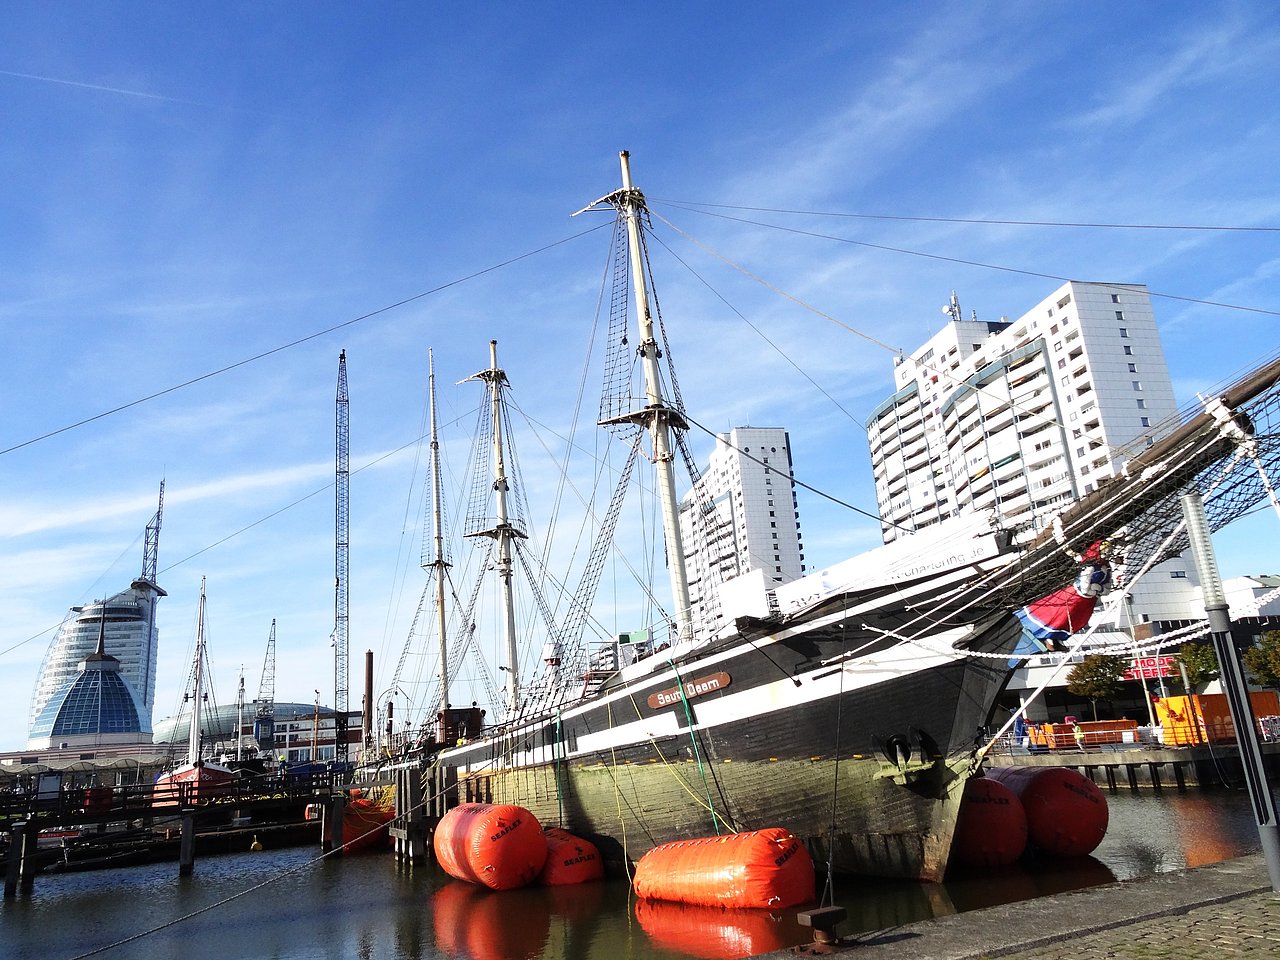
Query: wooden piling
<point>187,846</point>
<point>20,871</point>
<point>331,822</point>
<point>410,827</point>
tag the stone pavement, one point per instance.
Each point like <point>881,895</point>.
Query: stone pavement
<point>1221,911</point>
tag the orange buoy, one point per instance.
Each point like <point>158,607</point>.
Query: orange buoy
<point>570,859</point>
<point>991,829</point>
<point>500,846</point>
<point>1066,812</point>
<point>711,932</point>
<point>365,825</point>
<point>763,868</point>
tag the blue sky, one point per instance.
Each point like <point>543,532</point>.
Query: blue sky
<point>187,187</point>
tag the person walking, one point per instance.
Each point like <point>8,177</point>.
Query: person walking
<point>1079,735</point>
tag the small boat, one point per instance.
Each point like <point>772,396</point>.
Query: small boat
<point>196,779</point>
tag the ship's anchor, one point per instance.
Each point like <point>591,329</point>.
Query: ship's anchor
<point>906,758</point>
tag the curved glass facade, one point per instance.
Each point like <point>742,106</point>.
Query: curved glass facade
<point>131,635</point>
<point>98,703</point>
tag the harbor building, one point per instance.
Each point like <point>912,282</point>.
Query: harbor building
<point>741,519</point>
<point>1021,417</point>
<point>304,732</point>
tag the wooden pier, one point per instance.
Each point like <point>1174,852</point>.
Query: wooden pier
<point>105,826</point>
<point>1147,766</point>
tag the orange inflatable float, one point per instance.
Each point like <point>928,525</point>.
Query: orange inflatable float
<point>500,846</point>
<point>991,830</point>
<point>364,825</point>
<point>1066,812</point>
<point>570,859</point>
<point>763,868</point>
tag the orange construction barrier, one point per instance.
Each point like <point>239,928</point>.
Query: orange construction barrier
<point>500,846</point>
<point>1206,717</point>
<point>763,868</point>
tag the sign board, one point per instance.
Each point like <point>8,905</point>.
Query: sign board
<point>1150,668</point>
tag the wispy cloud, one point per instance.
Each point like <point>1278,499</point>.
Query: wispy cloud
<point>1206,55</point>
<point>20,520</point>
<point>120,91</point>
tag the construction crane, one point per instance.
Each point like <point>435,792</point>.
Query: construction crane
<point>147,581</point>
<point>341,552</point>
<point>264,717</point>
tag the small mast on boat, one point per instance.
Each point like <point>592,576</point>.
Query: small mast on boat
<point>197,695</point>
<point>656,416</point>
<point>503,532</point>
<point>440,563</point>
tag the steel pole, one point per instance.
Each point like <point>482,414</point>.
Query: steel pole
<point>1234,685</point>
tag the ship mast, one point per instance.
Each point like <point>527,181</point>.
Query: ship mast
<point>439,563</point>
<point>656,417</point>
<point>502,531</point>
<point>193,737</point>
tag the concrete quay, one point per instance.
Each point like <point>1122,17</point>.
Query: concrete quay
<point>1224,910</point>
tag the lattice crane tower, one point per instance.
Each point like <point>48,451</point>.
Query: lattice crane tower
<point>341,554</point>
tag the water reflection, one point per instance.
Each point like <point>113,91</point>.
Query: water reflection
<point>712,933</point>
<point>365,907</point>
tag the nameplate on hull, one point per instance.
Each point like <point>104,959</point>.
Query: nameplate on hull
<point>692,688</point>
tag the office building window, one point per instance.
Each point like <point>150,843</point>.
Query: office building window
<point>1137,384</point>
<point>1115,298</point>
<point>1128,350</point>
<point>1142,404</point>
<point>1124,331</point>
<point>1119,314</point>
<point>1133,368</point>
<point>1146,421</point>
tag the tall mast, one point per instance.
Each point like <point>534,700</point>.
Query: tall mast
<point>656,417</point>
<point>502,531</point>
<point>193,737</point>
<point>240,716</point>
<point>440,564</point>
<point>342,549</point>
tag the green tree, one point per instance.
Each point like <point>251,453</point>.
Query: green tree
<point>1098,677</point>
<point>1200,661</point>
<point>1263,661</point>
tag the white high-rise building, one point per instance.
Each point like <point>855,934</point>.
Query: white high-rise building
<point>750,522</point>
<point>1021,417</point>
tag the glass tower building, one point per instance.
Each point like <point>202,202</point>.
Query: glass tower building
<point>127,623</point>
<point>96,706</point>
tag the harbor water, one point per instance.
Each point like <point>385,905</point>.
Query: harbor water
<point>288,904</point>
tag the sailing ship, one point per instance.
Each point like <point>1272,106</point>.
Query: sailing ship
<point>195,779</point>
<point>853,711</point>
